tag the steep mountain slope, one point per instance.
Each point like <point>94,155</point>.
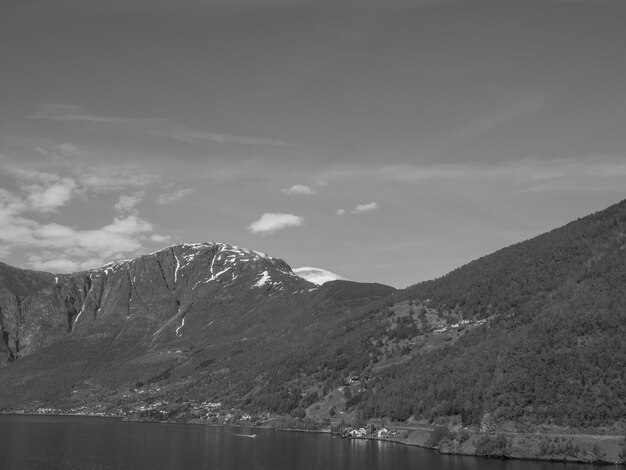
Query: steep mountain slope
<point>536,334</point>
<point>191,317</point>
<point>158,292</point>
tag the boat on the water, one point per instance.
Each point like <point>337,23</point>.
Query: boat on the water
<point>246,435</point>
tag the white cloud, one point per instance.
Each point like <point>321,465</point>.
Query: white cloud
<point>372,206</point>
<point>66,248</point>
<point>122,235</point>
<point>47,198</point>
<point>55,265</point>
<point>126,204</point>
<point>44,192</point>
<point>30,189</point>
<point>59,247</point>
<point>301,189</point>
<point>160,238</point>
<point>156,126</point>
<point>270,222</point>
<point>169,198</point>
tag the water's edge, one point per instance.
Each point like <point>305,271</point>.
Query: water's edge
<point>521,446</point>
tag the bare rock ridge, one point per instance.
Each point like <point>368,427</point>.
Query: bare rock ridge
<point>157,291</point>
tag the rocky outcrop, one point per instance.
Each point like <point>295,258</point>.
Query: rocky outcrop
<point>33,312</point>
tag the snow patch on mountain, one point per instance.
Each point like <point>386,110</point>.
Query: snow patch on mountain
<point>113,266</point>
<point>317,275</point>
<point>265,279</point>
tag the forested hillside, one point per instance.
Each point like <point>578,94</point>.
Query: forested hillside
<point>585,258</point>
<point>552,349</point>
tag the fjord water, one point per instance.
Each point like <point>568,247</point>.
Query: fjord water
<point>60,443</point>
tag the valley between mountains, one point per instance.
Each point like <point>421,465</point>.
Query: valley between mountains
<point>518,354</point>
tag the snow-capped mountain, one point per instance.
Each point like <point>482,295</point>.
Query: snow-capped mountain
<point>317,275</point>
<point>189,315</point>
<point>170,293</point>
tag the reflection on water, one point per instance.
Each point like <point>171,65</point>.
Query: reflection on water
<point>46,442</point>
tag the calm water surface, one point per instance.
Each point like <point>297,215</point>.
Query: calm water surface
<point>49,442</point>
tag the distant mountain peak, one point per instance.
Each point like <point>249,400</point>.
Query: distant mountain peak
<point>185,253</point>
<point>317,275</point>
<point>222,247</point>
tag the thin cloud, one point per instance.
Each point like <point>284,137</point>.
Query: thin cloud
<point>185,134</point>
<point>70,150</point>
<point>599,172</point>
<point>270,222</point>
<point>88,174</point>
<point>126,204</point>
<point>105,178</point>
<point>155,126</point>
<point>47,192</point>
<point>70,161</point>
<point>175,196</point>
<point>529,174</point>
<point>359,208</point>
<point>299,189</point>
<point>160,238</point>
<point>372,206</point>
<point>518,109</point>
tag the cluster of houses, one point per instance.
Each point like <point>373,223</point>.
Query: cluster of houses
<point>367,432</point>
<point>198,412</point>
<point>460,324</point>
<point>81,411</point>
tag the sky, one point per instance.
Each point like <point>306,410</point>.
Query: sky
<point>385,141</point>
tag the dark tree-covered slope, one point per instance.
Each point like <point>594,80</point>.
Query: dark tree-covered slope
<point>584,258</point>
<point>553,348</point>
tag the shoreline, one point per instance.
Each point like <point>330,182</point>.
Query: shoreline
<point>521,446</point>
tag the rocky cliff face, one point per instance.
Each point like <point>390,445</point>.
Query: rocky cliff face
<point>162,296</point>
<point>33,310</point>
